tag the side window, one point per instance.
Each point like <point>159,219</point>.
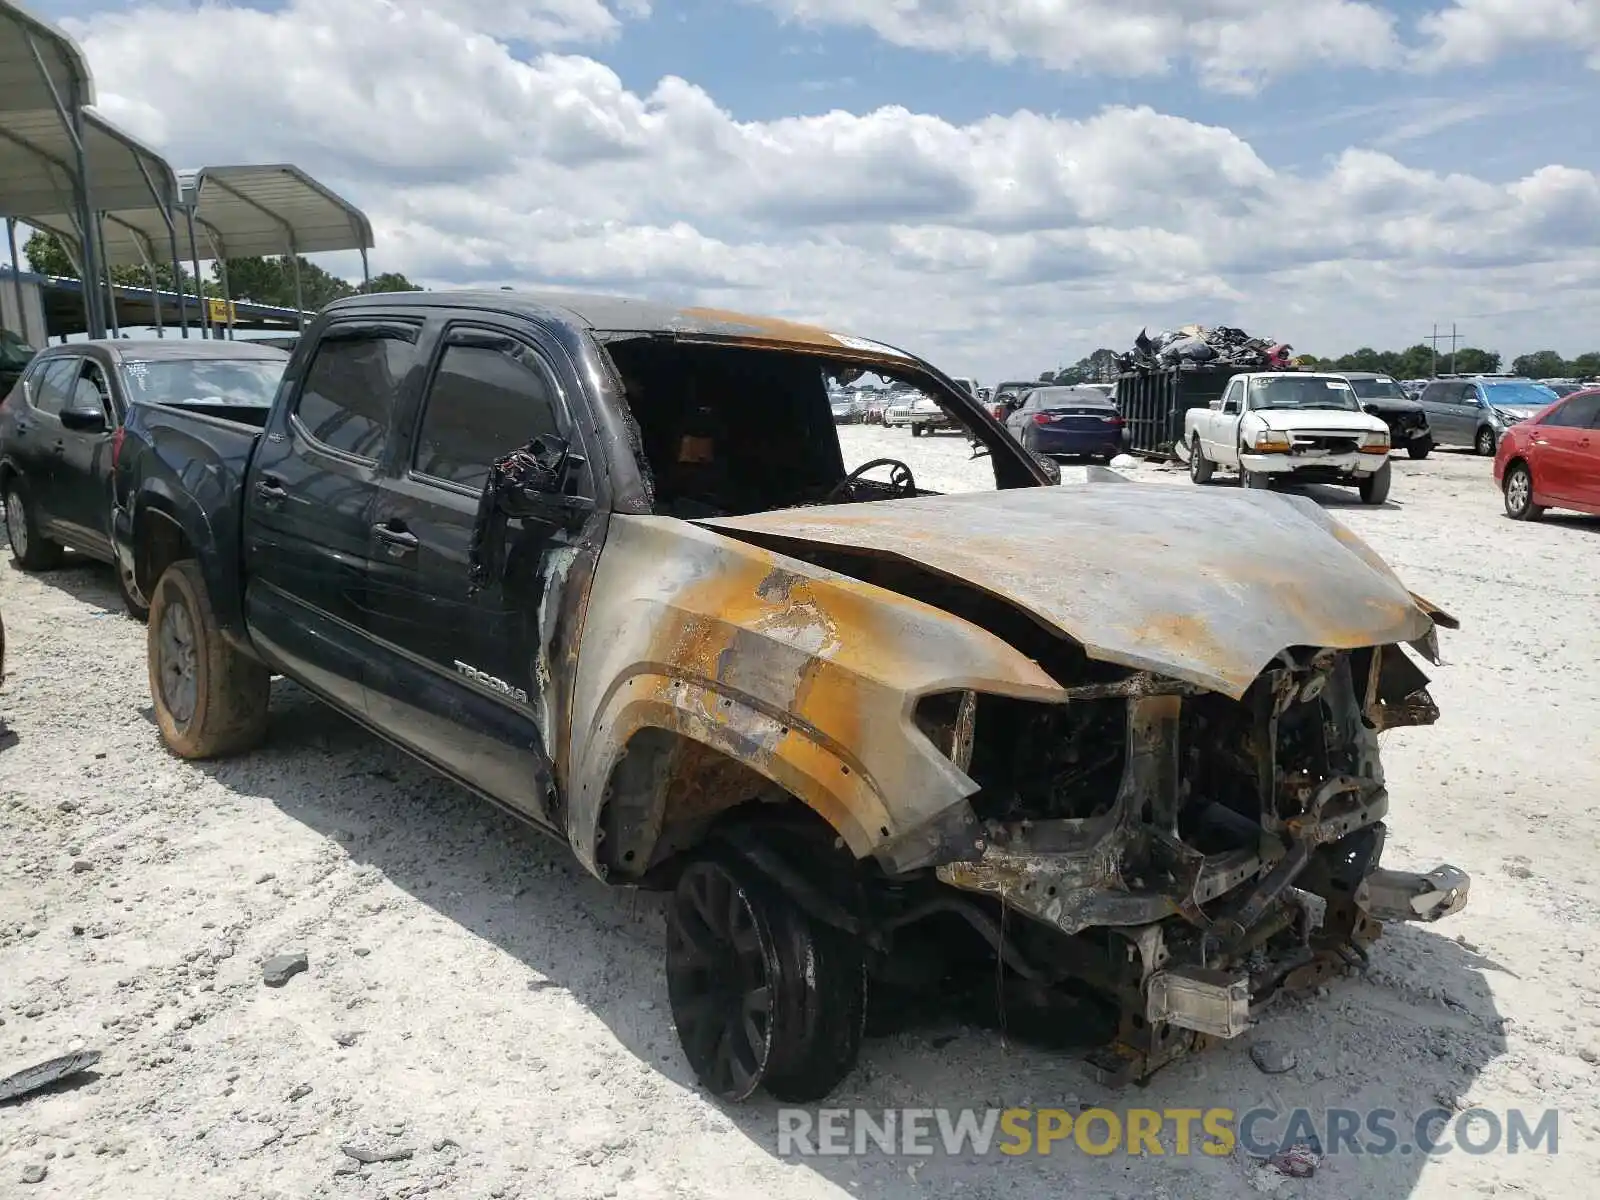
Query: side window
<point>349,393</point>
<point>490,395</point>
<point>1581,413</point>
<point>51,386</point>
<point>1469,395</point>
<point>89,390</point>
<point>1232,397</point>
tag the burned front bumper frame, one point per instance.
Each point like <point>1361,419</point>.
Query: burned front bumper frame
<point>1203,968</point>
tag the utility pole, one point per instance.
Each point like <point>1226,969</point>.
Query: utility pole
<point>1434,342</point>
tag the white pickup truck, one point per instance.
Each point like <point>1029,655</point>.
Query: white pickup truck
<point>1290,425</point>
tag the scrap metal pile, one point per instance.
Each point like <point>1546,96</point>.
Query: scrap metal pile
<point>1196,345</point>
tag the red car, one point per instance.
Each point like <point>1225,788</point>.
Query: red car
<point>1552,460</point>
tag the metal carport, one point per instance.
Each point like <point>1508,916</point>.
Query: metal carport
<point>245,212</point>
<point>55,157</point>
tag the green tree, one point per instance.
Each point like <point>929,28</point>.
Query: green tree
<point>1541,364</point>
<point>1469,360</point>
<point>391,281</point>
<point>1099,367</point>
<point>1047,376</point>
<point>1586,366</point>
<point>48,256</point>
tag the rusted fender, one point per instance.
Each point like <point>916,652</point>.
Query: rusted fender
<point>809,677</point>
<point>1205,587</point>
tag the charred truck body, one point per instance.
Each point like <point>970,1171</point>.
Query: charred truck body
<point>1119,738</point>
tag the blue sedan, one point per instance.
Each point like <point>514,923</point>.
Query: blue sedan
<point>1067,422</point>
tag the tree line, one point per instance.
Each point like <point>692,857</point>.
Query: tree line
<point>258,280</point>
<point>1416,362</point>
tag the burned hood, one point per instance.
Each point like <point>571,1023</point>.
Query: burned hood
<point>1203,586</point>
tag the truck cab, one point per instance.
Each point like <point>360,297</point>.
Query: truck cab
<point>1290,426</point>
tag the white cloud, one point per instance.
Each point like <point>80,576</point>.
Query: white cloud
<point>994,246</point>
<point>1479,31</point>
<point>1233,44</point>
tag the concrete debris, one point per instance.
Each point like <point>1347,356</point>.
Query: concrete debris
<point>300,1091</point>
<point>363,1155</point>
<point>34,1173</point>
<point>281,968</point>
<point>1299,1161</point>
<point>1273,1058</point>
<point>35,1078</point>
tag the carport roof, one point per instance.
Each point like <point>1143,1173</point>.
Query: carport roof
<point>241,212</point>
<point>22,88</point>
<point>38,165</point>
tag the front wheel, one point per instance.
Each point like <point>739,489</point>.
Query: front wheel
<point>1421,448</point>
<point>209,698</point>
<point>1519,494</point>
<point>1375,487</point>
<point>762,995</point>
<point>29,546</point>
<point>1200,468</point>
<point>1485,442</point>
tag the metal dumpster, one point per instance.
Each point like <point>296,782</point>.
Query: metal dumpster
<point>1153,401</point>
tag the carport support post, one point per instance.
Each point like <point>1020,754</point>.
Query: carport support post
<point>177,278</point>
<point>93,311</point>
<point>16,276</point>
<point>227,300</point>
<point>155,296</point>
<point>199,285</point>
<point>299,297</point>
<point>366,272</point>
<point>98,236</point>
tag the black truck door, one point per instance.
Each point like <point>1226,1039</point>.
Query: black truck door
<point>455,673</point>
<point>38,434</point>
<point>308,504</point>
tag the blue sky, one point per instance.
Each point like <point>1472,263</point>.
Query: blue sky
<point>1497,121</point>
<point>967,178</point>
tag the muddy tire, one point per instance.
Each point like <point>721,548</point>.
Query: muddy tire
<point>1518,489</point>
<point>209,699</point>
<point>1420,448</point>
<point>1200,467</point>
<point>762,995</point>
<point>1375,487</point>
<point>1485,444</point>
<point>29,546</point>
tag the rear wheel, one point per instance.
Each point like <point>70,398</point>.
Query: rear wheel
<point>762,995</point>
<point>1200,468</point>
<point>1484,444</point>
<point>1518,487</point>
<point>1421,448</point>
<point>1375,487</point>
<point>29,546</point>
<point>209,699</point>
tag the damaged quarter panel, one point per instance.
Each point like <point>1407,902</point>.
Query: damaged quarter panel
<point>801,678</point>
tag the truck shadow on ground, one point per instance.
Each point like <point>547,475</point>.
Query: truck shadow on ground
<point>1411,1034</point>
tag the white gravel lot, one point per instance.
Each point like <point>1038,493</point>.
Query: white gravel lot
<point>474,997</point>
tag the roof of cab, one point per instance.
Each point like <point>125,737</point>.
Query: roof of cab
<point>623,314</point>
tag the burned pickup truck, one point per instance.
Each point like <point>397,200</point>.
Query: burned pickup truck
<point>606,563</point>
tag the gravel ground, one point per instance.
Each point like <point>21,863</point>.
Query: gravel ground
<point>472,997</point>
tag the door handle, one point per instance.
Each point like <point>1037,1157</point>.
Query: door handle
<point>397,537</point>
<point>270,491</point>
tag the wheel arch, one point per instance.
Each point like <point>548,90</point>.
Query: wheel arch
<point>677,774</point>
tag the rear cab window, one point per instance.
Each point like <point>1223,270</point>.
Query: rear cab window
<point>347,401</point>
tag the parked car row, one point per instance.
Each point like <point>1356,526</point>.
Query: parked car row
<point>550,546</point>
<point>62,428</point>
